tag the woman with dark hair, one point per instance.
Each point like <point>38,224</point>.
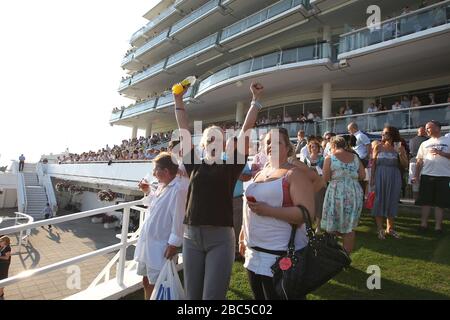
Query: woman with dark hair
<point>271,209</point>
<point>388,157</point>
<point>209,238</point>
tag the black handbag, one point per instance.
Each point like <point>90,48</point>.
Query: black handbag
<point>297,273</point>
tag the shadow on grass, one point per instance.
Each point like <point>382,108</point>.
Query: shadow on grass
<point>412,245</point>
<point>352,285</point>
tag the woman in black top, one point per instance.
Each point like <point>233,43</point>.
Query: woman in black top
<point>5,260</point>
<point>208,245</point>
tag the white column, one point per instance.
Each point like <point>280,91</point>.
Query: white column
<point>134,132</point>
<point>326,100</point>
<point>240,112</point>
<point>148,130</point>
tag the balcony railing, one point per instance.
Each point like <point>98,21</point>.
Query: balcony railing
<point>196,48</point>
<point>153,23</point>
<point>167,98</point>
<point>152,42</point>
<point>305,53</point>
<point>403,119</point>
<point>260,17</point>
<point>311,128</point>
<point>194,15</point>
<point>142,75</point>
<point>138,108</point>
<point>416,21</point>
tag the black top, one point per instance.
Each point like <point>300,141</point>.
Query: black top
<point>210,193</point>
<point>415,143</point>
<point>3,252</point>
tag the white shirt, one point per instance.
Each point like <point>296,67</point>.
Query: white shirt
<point>372,109</point>
<point>361,142</point>
<point>348,111</point>
<point>163,224</point>
<point>304,152</point>
<point>435,165</point>
<point>396,106</point>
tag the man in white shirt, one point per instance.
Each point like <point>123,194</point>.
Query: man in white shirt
<point>162,232</point>
<point>433,173</point>
<point>362,147</point>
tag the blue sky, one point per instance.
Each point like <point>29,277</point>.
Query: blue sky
<point>60,73</point>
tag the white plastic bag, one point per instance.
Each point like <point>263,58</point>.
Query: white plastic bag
<point>168,285</point>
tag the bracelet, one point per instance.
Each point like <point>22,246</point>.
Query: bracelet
<point>181,109</point>
<point>241,241</point>
<point>256,104</point>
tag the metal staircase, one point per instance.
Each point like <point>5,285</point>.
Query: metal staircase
<point>35,195</point>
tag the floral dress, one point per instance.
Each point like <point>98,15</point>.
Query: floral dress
<point>344,197</point>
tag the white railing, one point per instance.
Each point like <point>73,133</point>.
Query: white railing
<point>122,246</point>
<point>21,193</point>
<point>17,221</point>
<point>46,182</point>
<point>105,274</point>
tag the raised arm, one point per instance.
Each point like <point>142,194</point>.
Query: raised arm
<point>180,111</point>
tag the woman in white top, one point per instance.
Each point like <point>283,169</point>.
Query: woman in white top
<point>270,209</point>
<point>162,231</point>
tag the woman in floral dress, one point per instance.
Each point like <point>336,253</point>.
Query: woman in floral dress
<point>344,196</point>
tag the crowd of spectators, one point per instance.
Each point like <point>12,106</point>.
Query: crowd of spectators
<point>132,149</point>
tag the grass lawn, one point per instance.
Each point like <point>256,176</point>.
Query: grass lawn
<point>414,267</point>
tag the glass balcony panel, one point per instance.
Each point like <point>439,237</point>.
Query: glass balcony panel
<point>271,60</point>
<point>279,7</point>
<point>306,53</point>
<point>257,63</point>
<point>147,105</point>
<point>289,56</point>
<point>115,116</point>
<point>196,47</point>
<point>245,67</point>
<point>234,71</point>
<point>152,42</point>
<point>414,22</point>
<point>166,99</point>
<point>194,15</point>
<point>153,69</point>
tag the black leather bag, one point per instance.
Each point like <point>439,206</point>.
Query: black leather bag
<point>297,273</point>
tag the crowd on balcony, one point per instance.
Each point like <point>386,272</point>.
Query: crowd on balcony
<point>129,51</point>
<point>132,149</point>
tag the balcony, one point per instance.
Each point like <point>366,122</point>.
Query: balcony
<point>209,18</point>
<point>194,50</point>
<point>280,9</point>
<point>420,23</point>
<point>260,64</point>
<point>403,119</point>
<point>161,22</point>
<point>142,75</point>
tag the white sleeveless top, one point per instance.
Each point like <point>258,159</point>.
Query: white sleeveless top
<point>267,232</point>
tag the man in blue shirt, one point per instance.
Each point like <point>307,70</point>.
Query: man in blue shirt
<point>21,162</point>
<point>238,192</point>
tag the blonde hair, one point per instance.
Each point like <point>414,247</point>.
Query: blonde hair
<point>6,240</point>
<point>338,142</point>
<point>208,133</point>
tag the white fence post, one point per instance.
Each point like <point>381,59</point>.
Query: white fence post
<point>123,249</point>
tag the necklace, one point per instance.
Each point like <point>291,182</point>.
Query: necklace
<point>267,175</point>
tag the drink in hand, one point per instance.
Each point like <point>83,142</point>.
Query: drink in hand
<point>178,88</point>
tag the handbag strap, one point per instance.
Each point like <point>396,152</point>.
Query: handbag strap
<point>308,225</point>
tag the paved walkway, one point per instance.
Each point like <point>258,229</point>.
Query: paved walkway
<point>45,247</point>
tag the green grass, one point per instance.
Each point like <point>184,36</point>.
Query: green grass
<point>414,267</point>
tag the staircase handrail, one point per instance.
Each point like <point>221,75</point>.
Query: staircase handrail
<point>46,182</point>
<point>21,193</point>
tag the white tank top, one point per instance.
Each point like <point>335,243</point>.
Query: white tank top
<point>267,232</point>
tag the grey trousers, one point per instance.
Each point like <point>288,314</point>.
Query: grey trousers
<point>208,256</point>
